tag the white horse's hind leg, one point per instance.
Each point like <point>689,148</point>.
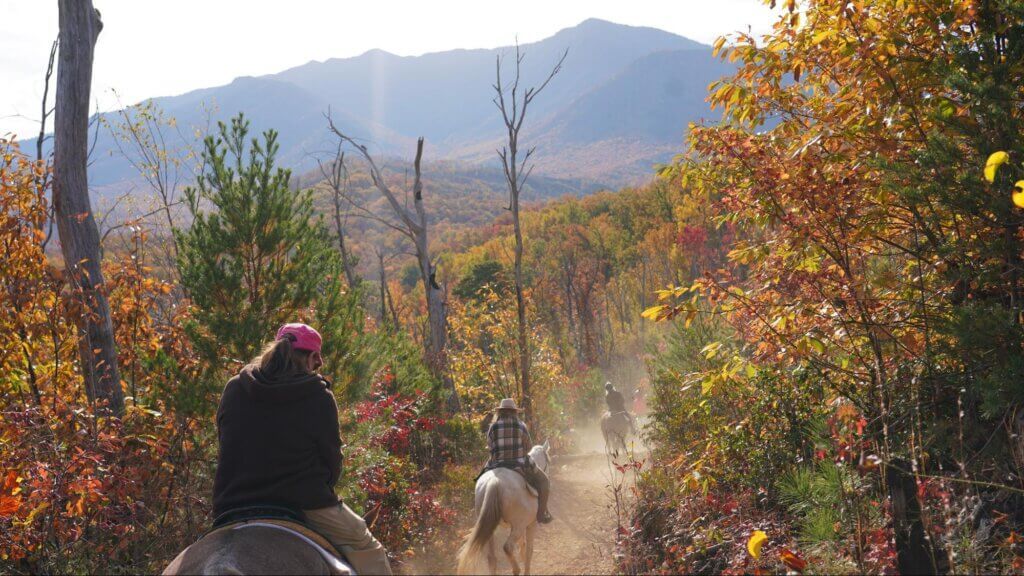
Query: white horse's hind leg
<point>531,532</point>
<point>510,548</point>
<point>492,557</point>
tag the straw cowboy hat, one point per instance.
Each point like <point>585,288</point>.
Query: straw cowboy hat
<point>508,404</point>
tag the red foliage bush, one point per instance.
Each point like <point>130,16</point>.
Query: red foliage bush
<point>400,510</point>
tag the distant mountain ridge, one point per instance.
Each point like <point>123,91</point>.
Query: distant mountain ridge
<point>621,104</point>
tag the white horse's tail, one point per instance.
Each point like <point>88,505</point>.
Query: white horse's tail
<point>486,523</point>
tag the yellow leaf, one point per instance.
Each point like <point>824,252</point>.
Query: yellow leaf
<point>817,345</point>
<point>757,540</point>
<point>718,46</point>
<point>821,37</point>
<point>711,350</point>
<point>993,163</point>
<point>653,312</point>
<point>1018,194</point>
<point>32,515</point>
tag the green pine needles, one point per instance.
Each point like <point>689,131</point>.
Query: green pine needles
<point>256,255</point>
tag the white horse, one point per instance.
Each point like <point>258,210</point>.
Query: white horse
<point>502,496</point>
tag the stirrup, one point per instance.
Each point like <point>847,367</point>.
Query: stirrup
<point>547,519</point>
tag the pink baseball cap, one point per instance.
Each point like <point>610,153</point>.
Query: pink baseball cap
<point>303,336</point>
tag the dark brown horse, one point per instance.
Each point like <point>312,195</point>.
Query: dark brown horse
<point>255,548</point>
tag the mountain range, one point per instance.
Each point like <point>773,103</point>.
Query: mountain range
<point>620,105</point>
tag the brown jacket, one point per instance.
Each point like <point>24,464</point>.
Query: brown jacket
<point>279,443</point>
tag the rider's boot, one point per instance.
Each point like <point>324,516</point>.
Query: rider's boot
<point>539,480</point>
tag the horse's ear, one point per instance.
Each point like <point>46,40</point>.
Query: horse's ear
<point>547,444</point>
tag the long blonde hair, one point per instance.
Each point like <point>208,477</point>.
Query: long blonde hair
<point>279,359</point>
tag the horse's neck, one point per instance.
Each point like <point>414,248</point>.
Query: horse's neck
<point>539,458</point>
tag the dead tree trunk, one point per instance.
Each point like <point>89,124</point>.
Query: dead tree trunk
<point>414,227</point>
<point>512,102</point>
<point>79,237</point>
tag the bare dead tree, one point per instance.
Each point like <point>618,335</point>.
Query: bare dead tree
<point>335,173</point>
<point>512,101</point>
<point>414,227</point>
<point>80,26</point>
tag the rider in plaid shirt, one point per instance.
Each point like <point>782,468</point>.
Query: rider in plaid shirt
<point>509,441</point>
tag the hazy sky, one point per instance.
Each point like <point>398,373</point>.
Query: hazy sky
<point>159,48</point>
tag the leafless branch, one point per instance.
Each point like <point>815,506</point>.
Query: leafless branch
<point>43,180</point>
<point>46,93</point>
<point>368,214</point>
<point>377,177</point>
<point>94,121</point>
<point>133,222</point>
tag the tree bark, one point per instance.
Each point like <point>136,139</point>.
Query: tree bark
<point>79,237</point>
<point>521,336</point>
<point>437,315</point>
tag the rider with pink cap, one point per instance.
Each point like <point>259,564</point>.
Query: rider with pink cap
<point>280,445</point>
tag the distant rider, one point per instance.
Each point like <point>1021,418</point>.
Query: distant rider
<point>616,403</point>
<point>639,402</point>
<point>509,442</point>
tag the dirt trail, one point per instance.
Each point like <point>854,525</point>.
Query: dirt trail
<point>581,540</point>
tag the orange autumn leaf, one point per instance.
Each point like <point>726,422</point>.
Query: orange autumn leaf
<point>9,505</point>
<point>792,560</point>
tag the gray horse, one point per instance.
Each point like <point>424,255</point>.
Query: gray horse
<point>615,428</point>
<point>255,548</point>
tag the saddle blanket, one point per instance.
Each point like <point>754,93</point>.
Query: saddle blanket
<point>529,488</point>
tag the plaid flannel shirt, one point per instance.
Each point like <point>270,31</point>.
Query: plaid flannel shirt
<point>509,441</point>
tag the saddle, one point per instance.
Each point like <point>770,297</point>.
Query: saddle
<point>287,519</point>
<point>510,466</point>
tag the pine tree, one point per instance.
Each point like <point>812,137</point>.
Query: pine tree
<point>256,256</point>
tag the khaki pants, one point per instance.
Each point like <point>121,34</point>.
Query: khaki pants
<point>347,531</point>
